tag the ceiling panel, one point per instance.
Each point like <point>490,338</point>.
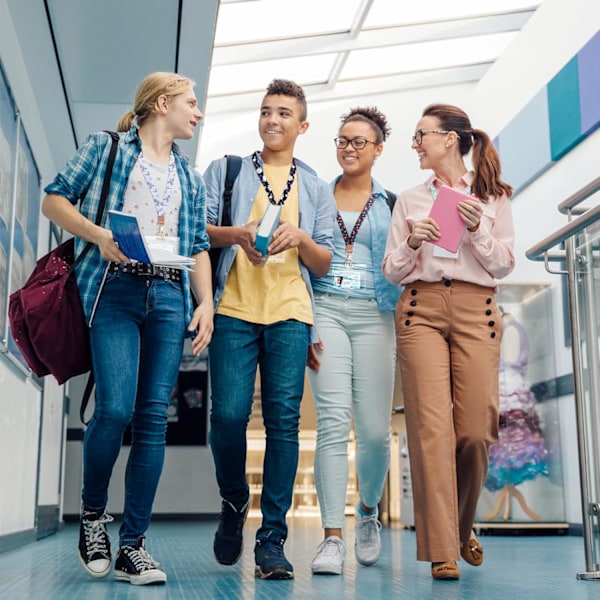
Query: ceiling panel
<point>399,44</point>
<point>106,47</point>
<point>271,19</point>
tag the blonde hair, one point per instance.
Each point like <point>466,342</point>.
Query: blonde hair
<point>149,90</point>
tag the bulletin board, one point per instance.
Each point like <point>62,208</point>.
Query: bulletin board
<point>20,194</point>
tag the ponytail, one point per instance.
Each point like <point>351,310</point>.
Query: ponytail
<point>486,164</point>
<point>126,121</point>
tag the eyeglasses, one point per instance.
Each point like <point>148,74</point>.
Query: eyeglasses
<point>358,143</point>
<point>418,137</point>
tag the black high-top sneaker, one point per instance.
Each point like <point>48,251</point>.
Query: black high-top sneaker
<point>94,543</point>
<point>136,566</point>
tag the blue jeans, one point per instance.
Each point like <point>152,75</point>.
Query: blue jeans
<point>136,343</point>
<point>280,350</point>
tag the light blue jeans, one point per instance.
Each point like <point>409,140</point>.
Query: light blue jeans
<point>356,375</point>
<point>136,342</point>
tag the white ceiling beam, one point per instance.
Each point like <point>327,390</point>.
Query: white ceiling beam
<point>361,16</point>
<point>354,88</point>
<point>370,38</point>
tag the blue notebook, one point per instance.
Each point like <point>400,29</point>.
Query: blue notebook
<point>126,233</point>
<point>268,225</point>
<point>128,236</point>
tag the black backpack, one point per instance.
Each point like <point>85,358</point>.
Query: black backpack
<point>390,199</point>
<point>234,164</point>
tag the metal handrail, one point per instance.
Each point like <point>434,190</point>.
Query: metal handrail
<point>567,205</point>
<point>560,235</point>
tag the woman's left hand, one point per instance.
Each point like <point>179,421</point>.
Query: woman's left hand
<point>202,324</point>
<point>470,211</point>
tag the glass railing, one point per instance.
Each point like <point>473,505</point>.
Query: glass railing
<point>577,245</point>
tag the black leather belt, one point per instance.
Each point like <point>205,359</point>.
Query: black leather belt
<point>146,270</point>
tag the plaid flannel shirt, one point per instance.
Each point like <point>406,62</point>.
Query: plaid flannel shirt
<point>82,178</point>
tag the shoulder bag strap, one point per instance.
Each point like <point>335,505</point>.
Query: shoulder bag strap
<point>89,386</point>
<point>104,194</point>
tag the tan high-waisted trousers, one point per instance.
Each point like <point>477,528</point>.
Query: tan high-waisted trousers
<point>449,335</point>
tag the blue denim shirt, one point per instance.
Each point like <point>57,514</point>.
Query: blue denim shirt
<point>380,219</point>
<point>83,177</point>
<point>315,202</point>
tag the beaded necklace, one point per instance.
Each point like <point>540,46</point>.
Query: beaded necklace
<point>261,175</point>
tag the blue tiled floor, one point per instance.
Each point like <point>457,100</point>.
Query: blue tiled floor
<point>515,568</point>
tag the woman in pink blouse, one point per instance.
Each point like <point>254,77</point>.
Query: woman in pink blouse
<point>449,332</point>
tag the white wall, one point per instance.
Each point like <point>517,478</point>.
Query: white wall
<point>19,444</point>
<point>28,477</point>
<point>556,32</point>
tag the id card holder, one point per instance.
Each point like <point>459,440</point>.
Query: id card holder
<point>348,279</point>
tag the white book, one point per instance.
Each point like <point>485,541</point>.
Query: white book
<point>128,236</point>
<point>268,224</point>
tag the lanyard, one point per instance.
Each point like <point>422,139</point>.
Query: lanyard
<point>434,191</point>
<point>160,204</point>
<point>263,180</point>
<point>349,239</point>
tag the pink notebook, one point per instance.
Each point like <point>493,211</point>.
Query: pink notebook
<point>445,213</point>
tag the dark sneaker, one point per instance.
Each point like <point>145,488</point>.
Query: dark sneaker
<point>94,543</point>
<point>271,562</point>
<point>136,566</point>
<point>229,541</point>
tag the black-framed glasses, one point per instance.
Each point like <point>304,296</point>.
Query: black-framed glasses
<point>418,137</point>
<point>358,143</point>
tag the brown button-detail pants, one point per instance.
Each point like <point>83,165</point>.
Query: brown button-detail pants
<point>448,336</point>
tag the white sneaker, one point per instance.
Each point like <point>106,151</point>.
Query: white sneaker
<point>330,556</point>
<point>368,539</point>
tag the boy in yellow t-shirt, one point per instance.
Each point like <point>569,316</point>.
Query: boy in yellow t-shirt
<point>264,317</point>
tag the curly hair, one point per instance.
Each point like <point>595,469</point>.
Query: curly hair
<point>371,115</point>
<point>285,87</point>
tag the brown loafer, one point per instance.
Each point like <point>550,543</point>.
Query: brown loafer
<point>472,552</point>
<point>445,570</point>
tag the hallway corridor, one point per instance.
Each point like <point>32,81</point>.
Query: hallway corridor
<point>515,568</point>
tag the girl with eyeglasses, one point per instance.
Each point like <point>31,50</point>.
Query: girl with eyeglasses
<point>352,367</point>
<point>449,332</point>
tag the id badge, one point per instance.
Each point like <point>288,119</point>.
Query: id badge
<point>348,279</point>
<point>440,252</point>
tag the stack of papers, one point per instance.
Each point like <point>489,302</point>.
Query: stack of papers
<point>128,236</point>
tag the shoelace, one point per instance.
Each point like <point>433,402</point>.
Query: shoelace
<point>96,537</point>
<point>330,548</point>
<point>141,559</point>
<point>368,528</point>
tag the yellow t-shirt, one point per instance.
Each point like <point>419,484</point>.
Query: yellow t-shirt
<point>276,291</point>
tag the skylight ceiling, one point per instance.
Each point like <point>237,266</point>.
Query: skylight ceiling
<point>335,48</point>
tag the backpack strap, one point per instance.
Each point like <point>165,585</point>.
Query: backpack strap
<point>234,164</point>
<point>390,199</point>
